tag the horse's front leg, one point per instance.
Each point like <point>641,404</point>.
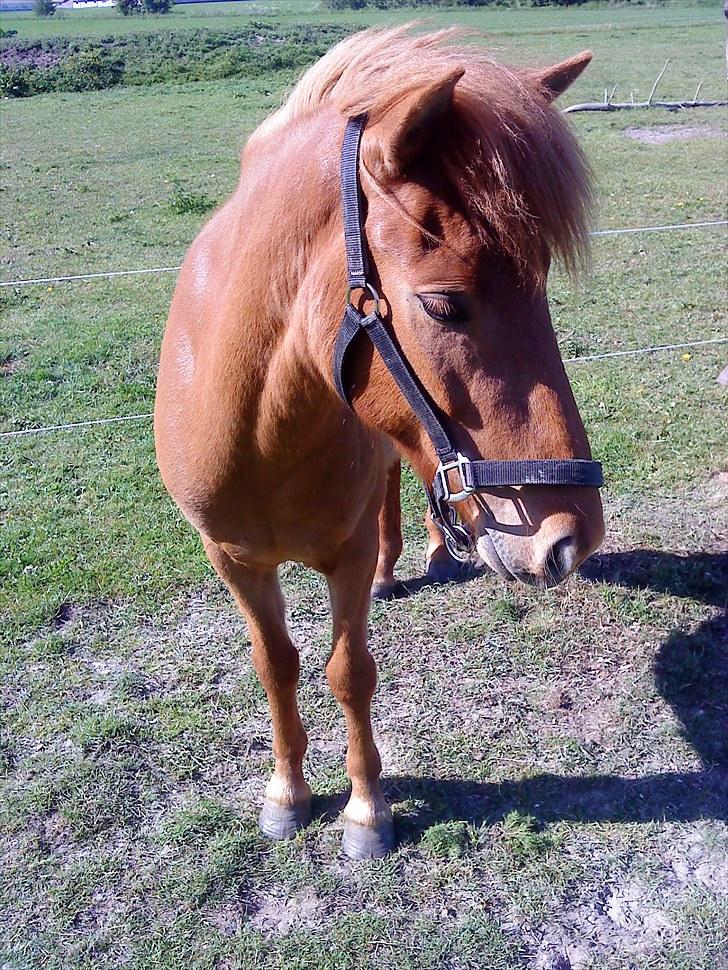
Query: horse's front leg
<point>390,535</point>
<point>439,564</point>
<point>352,675</point>
<point>287,805</point>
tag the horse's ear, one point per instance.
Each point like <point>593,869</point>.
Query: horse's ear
<point>405,128</point>
<point>554,80</point>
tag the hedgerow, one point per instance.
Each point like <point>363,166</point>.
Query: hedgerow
<point>391,4</point>
<point>30,67</point>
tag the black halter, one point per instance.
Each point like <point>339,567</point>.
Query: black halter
<point>475,475</point>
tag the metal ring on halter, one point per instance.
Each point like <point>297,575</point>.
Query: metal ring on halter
<point>460,553</point>
<point>365,286</point>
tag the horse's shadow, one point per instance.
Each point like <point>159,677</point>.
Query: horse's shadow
<point>691,673</point>
<point>462,573</point>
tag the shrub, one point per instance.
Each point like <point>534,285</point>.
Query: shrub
<point>89,70</point>
<point>390,4</point>
<point>158,6</point>
<point>77,64</point>
<point>15,82</point>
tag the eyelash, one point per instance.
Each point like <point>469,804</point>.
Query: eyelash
<point>443,308</point>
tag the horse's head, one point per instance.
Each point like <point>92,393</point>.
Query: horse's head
<point>471,181</point>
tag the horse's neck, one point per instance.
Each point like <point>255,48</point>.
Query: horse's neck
<point>286,214</point>
<point>286,199</point>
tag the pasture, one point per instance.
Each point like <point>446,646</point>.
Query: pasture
<point>557,761</point>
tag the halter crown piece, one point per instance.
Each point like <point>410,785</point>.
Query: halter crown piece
<point>475,474</point>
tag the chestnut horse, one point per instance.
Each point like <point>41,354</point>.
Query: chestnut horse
<point>470,181</point>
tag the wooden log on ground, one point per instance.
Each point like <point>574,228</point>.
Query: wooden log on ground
<point>631,105</point>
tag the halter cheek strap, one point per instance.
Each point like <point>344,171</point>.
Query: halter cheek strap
<point>474,475</point>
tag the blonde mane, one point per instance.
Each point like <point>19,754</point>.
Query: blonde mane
<point>519,172</point>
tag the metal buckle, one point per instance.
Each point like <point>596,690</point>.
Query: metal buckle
<point>365,286</point>
<point>461,463</point>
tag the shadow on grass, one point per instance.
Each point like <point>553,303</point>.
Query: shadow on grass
<point>462,573</point>
<point>691,673</point>
<point>669,797</point>
<point>690,669</point>
<point>701,576</point>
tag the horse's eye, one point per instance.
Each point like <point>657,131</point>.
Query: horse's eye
<point>445,307</point>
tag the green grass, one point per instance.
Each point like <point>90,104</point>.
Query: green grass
<point>594,19</point>
<point>556,761</point>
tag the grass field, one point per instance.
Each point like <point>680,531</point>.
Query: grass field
<point>557,762</point>
<point>510,20</point>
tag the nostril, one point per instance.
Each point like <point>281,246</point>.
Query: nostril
<point>561,559</point>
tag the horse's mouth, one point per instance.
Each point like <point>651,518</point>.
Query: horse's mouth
<point>489,554</point>
<point>487,547</point>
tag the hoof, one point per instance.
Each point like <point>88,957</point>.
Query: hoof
<point>444,569</point>
<point>283,821</point>
<point>384,590</point>
<point>365,842</point>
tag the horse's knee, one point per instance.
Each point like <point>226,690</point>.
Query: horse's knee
<point>352,677</point>
<point>277,665</point>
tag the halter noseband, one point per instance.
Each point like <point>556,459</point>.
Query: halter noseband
<point>475,475</point>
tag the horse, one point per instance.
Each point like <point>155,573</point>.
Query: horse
<point>464,181</point>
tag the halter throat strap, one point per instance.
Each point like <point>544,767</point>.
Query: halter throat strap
<point>474,474</point>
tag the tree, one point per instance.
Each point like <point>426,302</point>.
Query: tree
<point>127,7</point>
<point>44,8</point>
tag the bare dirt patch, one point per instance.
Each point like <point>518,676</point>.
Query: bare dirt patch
<point>623,916</point>
<point>630,914</point>
<point>661,134</point>
<point>694,859</point>
<point>279,915</point>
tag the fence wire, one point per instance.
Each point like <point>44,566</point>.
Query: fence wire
<point>112,274</point>
<point>73,425</point>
